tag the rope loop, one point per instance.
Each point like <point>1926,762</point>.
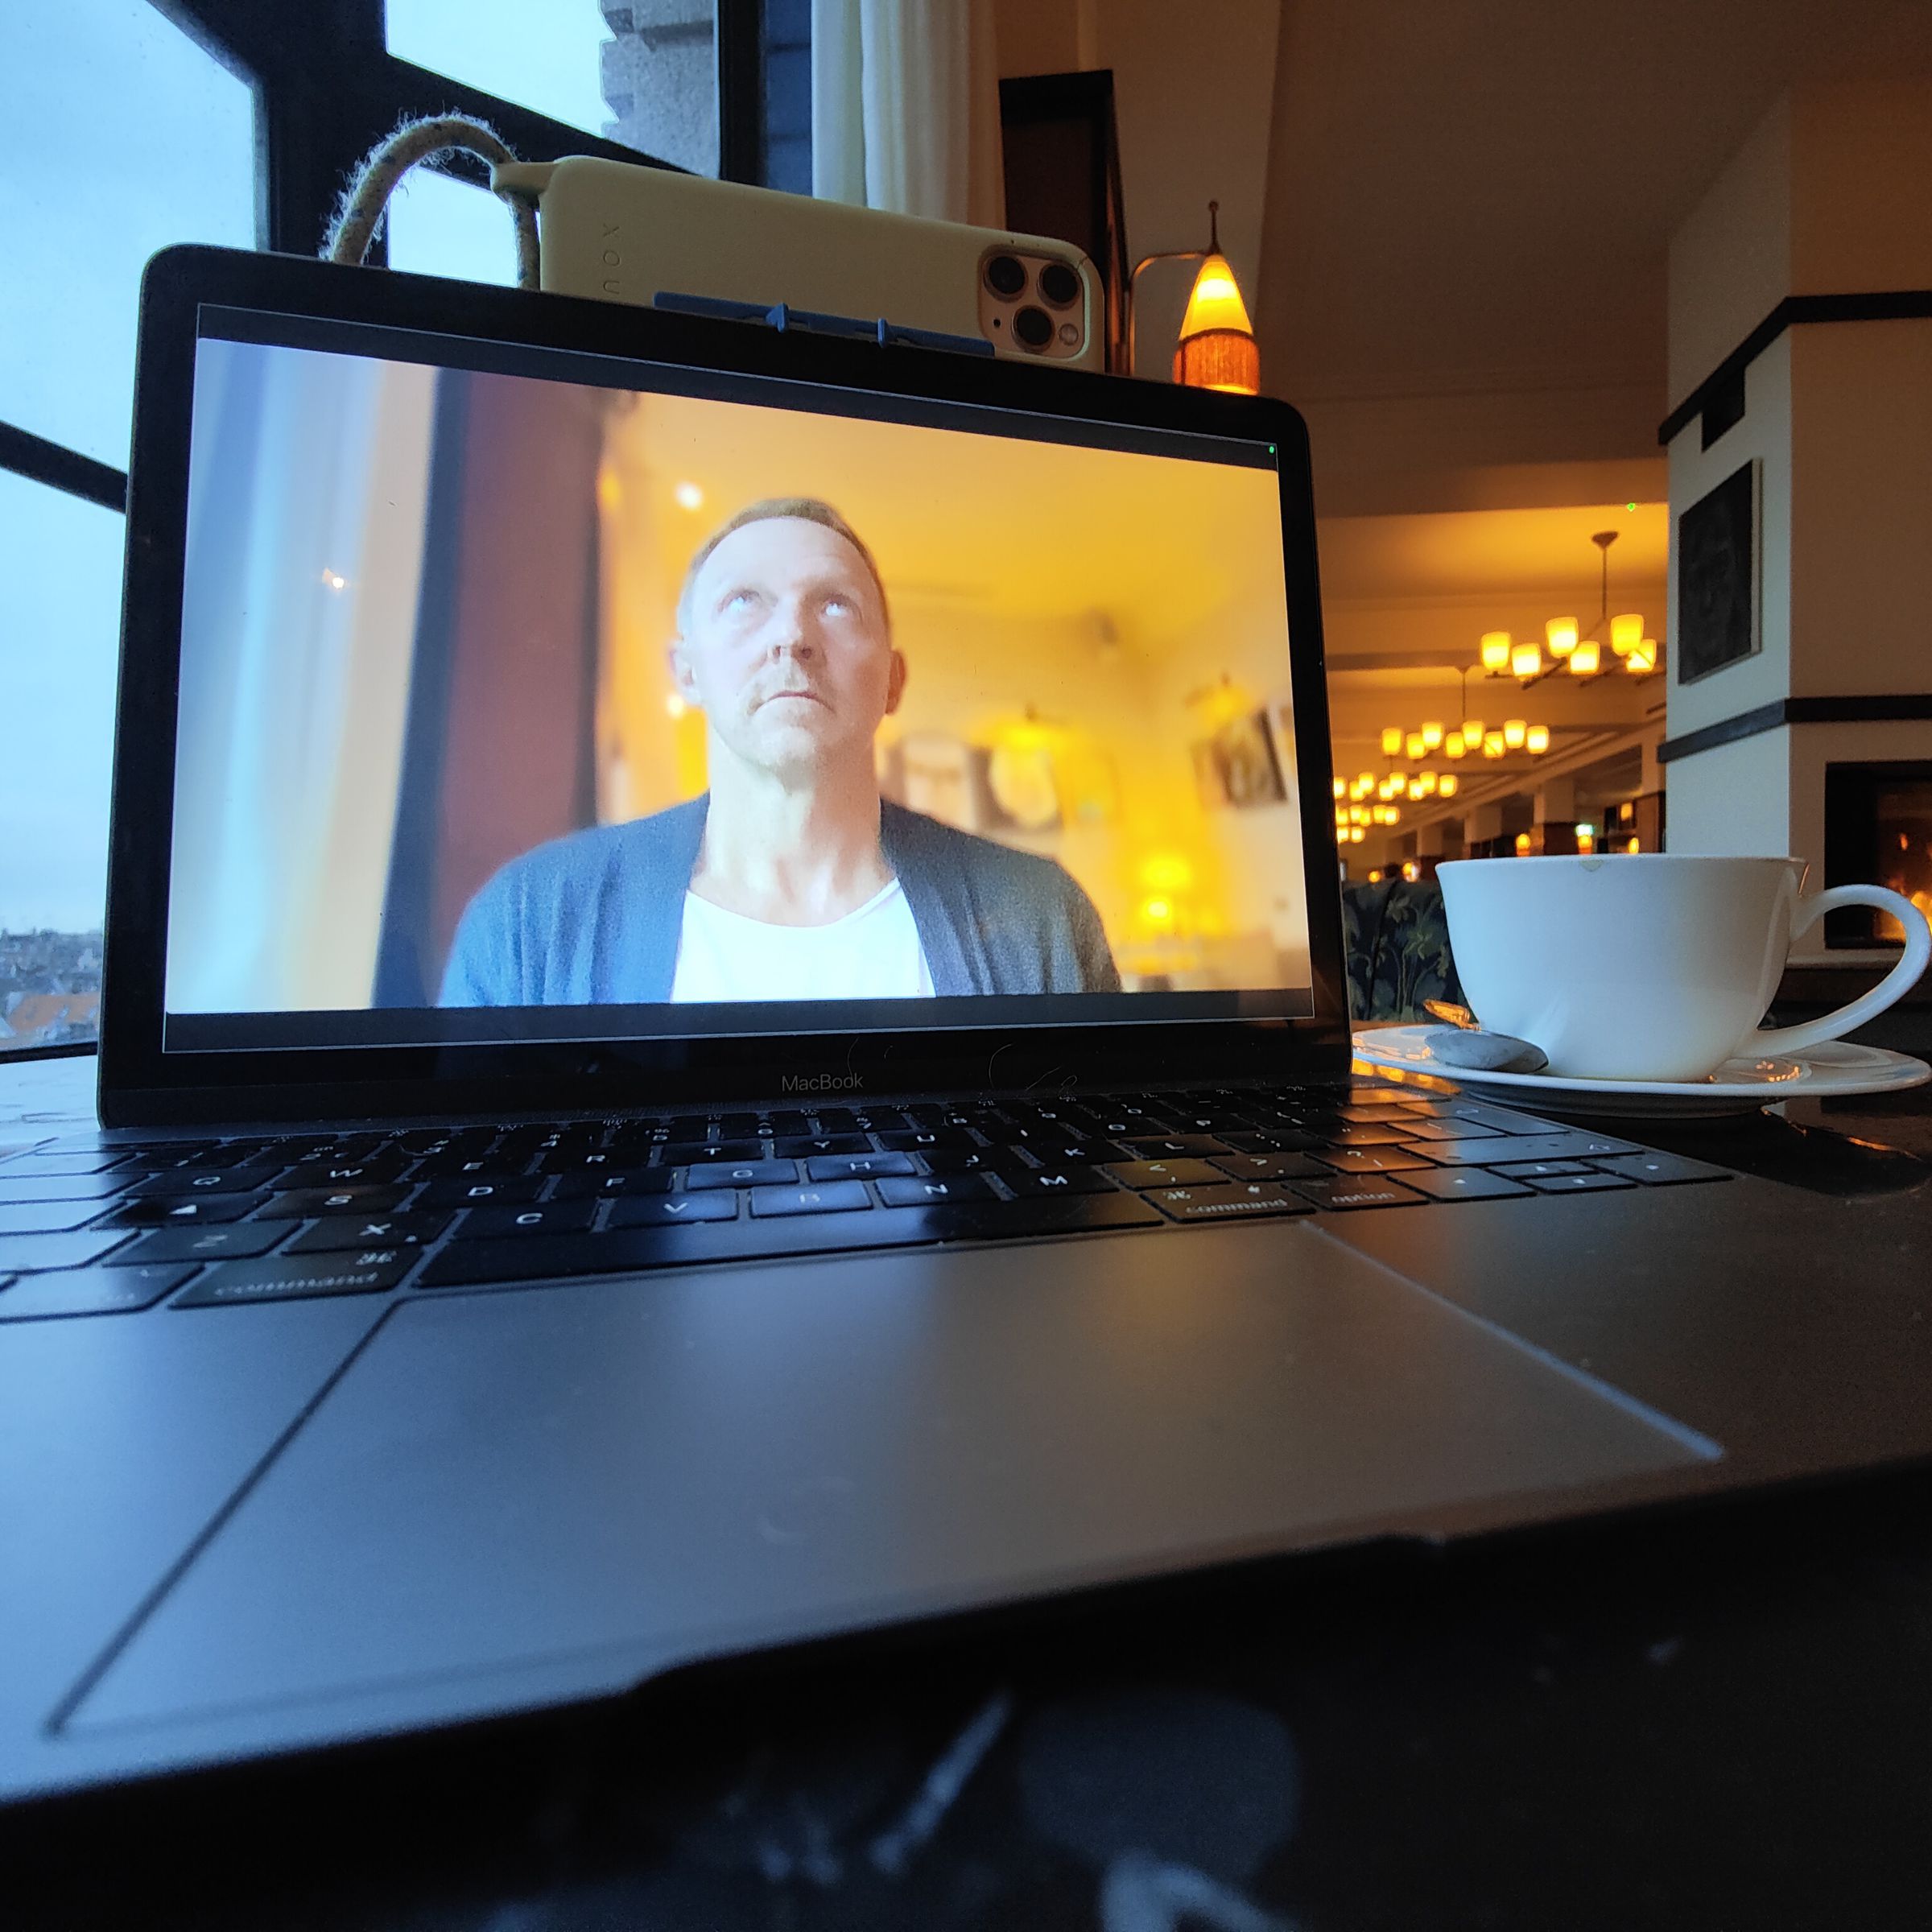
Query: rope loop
<point>360,211</point>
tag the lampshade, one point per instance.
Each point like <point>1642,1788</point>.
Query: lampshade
<point>1447,785</point>
<point>1472,733</point>
<point>1341,788</point>
<point>1492,745</point>
<point>1525,660</point>
<point>1341,814</point>
<point>1432,733</point>
<point>1538,739</point>
<point>1416,794</point>
<point>1522,844</point>
<point>1496,651</point>
<point>1356,834</point>
<point>1426,782</point>
<point>1585,658</point>
<point>1392,741</point>
<point>1561,633</point>
<point>1455,746</point>
<point>1413,746</point>
<point>1626,633</point>
<point>1642,658</point>
<point>1365,782</point>
<point>1515,730</point>
<point>1216,348</point>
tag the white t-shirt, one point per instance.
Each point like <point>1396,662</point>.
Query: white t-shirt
<point>871,954</point>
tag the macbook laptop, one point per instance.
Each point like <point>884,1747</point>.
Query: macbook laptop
<point>725,1022</point>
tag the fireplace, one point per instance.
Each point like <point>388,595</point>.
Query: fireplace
<point>1878,829</point>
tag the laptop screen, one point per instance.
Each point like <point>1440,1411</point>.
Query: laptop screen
<point>532,695</point>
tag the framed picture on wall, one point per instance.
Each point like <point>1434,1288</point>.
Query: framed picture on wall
<point>1719,546</point>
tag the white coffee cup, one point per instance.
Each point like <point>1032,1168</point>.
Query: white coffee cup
<point>1645,966</point>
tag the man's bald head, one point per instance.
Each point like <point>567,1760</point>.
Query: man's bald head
<point>803,510</point>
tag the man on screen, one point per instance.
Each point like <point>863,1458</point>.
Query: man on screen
<point>790,879</point>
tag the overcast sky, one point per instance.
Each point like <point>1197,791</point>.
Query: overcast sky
<point>167,156</point>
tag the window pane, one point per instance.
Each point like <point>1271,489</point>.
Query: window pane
<point>59,624</point>
<point>126,137</point>
<point>438,226</point>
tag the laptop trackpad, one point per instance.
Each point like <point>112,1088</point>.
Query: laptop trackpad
<point>645,1472</point>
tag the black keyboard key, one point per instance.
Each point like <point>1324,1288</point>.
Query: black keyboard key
<point>298,1277</point>
<point>592,1160</point>
<point>1357,1133</point>
<point>58,1248</point>
<point>1590,1182</point>
<point>1530,1170</point>
<point>634,1250</point>
<point>500,1191</point>
<point>1228,1201</point>
<point>802,1146</point>
<point>669,1210</point>
<point>303,1203</point>
<point>1372,1160</point>
<point>599,1186</point>
<point>188,1181</point>
<point>342,1231</point>
<point>1059,1180</point>
<point>161,1211</point>
<point>1505,1119</point>
<point>1165,1174</point>
<point>851,1167</point>
<point>916,1191</point>
<point>1351,1191</point>
<point>917,1140</point>
<point>1065,1150</point>
<point>522,1223</point>
<point>1661,1170</point>
<point>819,1197</point>
<point>88,1291</point>
<point>1552,1146</point>
<point>1419,1127</point>
<point>1282,1140</point>
<point>1464,1184</point>
<point>1167,1147</point>
<point>1270,1166</point>
<point>713,1151</point>
<point>742,1173</point>
<point>238,1240</point>
<point>972,1160</point>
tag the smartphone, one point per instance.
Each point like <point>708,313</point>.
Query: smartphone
<point>652,236</point>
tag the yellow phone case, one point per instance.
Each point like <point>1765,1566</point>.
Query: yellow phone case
<point>624,233</point>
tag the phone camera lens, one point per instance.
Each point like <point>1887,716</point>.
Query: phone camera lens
<point>1034,327</point>
<point>1059,285</point>
<point>1005,275</point>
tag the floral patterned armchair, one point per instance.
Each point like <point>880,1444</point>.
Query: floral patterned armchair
<point>1397,939</point>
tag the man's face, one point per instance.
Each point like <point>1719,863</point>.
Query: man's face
<point>786,648</point>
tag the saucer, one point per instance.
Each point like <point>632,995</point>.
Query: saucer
<point>1737,1087</point>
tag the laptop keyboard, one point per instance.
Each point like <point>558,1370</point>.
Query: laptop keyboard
<point>220,1222</point>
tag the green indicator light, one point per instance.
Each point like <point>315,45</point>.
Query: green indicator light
<point>1271,451</point>
<point>1629,507</point>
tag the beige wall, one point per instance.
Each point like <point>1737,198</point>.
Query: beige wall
<point>1194,90</point>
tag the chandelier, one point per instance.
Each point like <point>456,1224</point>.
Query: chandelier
<point>1577,653</point>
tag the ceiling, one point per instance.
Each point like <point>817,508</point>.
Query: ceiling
<point>1480,193</point>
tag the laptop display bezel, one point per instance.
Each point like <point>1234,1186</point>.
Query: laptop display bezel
<point>141,1084</point>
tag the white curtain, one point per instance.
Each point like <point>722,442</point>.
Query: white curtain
<point>906,107</point>
<point>308,484</point>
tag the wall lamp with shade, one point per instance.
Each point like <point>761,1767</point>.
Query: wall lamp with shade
<point>1216,348</point>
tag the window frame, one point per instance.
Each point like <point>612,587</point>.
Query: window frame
<point>326,90</point>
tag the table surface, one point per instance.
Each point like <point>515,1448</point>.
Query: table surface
<point>1713,1718</point>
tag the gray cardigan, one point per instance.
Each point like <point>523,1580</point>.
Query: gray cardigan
<point>594,918</point>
